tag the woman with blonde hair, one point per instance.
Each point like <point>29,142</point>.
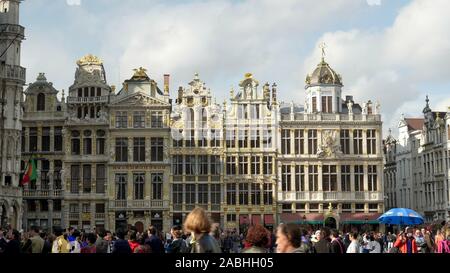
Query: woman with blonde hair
<point>198,224</point>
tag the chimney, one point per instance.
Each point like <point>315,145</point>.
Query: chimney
<point>166,84</point>
<point>180,95</point>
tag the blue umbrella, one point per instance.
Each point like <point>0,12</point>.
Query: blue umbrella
<point>401,216</point>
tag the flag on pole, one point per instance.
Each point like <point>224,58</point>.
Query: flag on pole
<point>30,173</point>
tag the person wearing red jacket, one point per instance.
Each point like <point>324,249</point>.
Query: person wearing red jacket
<point>405,242</point>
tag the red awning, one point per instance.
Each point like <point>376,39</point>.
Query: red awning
<point>360,218</point>
<point>268,219</point>
<point>256,219</point>
<point>301,217</point>
<point>243,219</point>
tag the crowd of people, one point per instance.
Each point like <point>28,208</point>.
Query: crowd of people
<point>198,235</point>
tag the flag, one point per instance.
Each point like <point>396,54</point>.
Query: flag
<point>30,173</point>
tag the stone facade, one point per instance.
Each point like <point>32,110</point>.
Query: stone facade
<point>12,80</point>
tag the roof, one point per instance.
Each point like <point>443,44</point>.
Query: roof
<point>323,74</point>
<point>415,124</point>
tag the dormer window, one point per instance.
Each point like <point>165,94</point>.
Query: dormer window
<point>40,102</point>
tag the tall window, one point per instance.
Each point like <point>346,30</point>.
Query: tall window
<point>58,140</point>
<point>312,141</point>
<point>313,176</point>
<point>230,137</point>
<point>314,104</point>
<point>189,165</point>
<point>215,165</point>
<point>285,141</point>
<point>204,118</point>
<point>268,194</point>
<point>371,142</point>
<point>215,138</point>
<point>202,164</point>
<point>243,137</point>
<point>157,179</point>
<point>157,148</point>
<point>139,149</point>
<point>231,165</point>
<point>299,141</point>
<point>40,102</point>
<point>121,119</point>
<point>203,194</point>
<point>121,149</point>
<point>33,139</point>
<point>327,104</point>
<point>345,177</point>
<point>138,119</point>
<point>299,178</point>
<point>256,169</point>
<point>177,165</point>
<point>329,178</point>
<point>75,143</point>
<point>231,194</point>
<point>345,141</point>
<point>255,193</point>
<point>359,178</point>
<point>46,139</point>
<point>87,143</point>
<point>215,194</point>
<point>121,186</point>
<point>100,147</point>
<point>99,91</point>
<point>286,177</point>
<point>157,119</point>
<point>190,138</point>
<point>86,178</point>
<point>57,183</point>
<point>254,140</point>
<point>357,142</point>
<point>372,177</point>
<point>177,194</point>
<point>75,178</point>
<point>138,185</point>
<point>267,165</point>
<point>243,165</point>
<point>100,178</point>
<point>267,138</point>
<point>190,194</point>
<point>45,181</point>
<point>177,137</point>
<point>243,193</point>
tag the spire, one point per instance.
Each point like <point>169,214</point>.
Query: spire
<point>322,46</point>
<point>427,106</point>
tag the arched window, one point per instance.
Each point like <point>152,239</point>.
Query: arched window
<point>41,102</point>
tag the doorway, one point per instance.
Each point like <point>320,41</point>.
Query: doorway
<point>330,222</point>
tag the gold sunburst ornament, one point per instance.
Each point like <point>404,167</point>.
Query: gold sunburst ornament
<point>89,59</point>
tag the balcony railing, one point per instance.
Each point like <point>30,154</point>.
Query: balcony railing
<point>14,29</point>
<point>74,215</point>
<point>328,117</point>
<point>13,72</point>
<point>99,99</point>
<point>329,196</point>
<point>9,191</point>
<point>42,193</point>
<point>99,215</point>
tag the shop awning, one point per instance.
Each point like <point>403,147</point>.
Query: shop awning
<point>243,219</point>
<point>256,219</point>
<point>360,218</point>
<point>268,219</point>
<point>302,218</point>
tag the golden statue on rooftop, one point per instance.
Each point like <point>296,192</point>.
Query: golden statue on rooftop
<point>89,59</point>
<point>140,73</point>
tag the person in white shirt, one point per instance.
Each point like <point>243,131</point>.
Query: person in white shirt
<point>374,246</point>
<point>354,245</point>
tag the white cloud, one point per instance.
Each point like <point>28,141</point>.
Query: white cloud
<point>73,2</point>
<point>374,2</point>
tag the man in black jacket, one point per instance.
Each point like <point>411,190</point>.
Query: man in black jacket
<point>13,246</point>
<point>323,245</point>
<point>121,246</point>
<point>337,246</point>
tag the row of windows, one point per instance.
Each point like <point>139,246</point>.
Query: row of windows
<point>92,92</point>
<point>45,140</point>
<point>156,180</point>
<point>329,178</point>
<point>249,194</point>
<point>86,208</point>
<point>195,194</point>
<point>45,173</point>
<point>139,119</point>
<point>243,164</point>
<point>83,173</point>
<point>315,206</point>
<point>156,149</point>
<point>196,165</point>
<point>32,205</point>
<point>299,136</point>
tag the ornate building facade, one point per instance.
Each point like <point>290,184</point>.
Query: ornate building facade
<point>330,162</point>
<point>42,139</point>
<point>251,124</point>
<point>196,153</point>
<point>12,77</point>
<point>139,165</point>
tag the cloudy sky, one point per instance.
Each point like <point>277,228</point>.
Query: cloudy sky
<point>391,51</point>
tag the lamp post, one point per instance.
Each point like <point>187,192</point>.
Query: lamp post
<point>304,220</point>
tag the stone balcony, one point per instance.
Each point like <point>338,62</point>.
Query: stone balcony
<point>9,191</point>
<point>80,100</point>
<point>13,72</point>
<point>330,196</point>
<point>27,193</point>
<point>138,204</point>
<point>13,29</point>
<point>329,117</point>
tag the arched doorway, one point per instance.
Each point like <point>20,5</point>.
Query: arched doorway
<point>139,226</point>
<point>330,222</point>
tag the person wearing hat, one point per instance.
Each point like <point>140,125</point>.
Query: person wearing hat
<point>405,241</point>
